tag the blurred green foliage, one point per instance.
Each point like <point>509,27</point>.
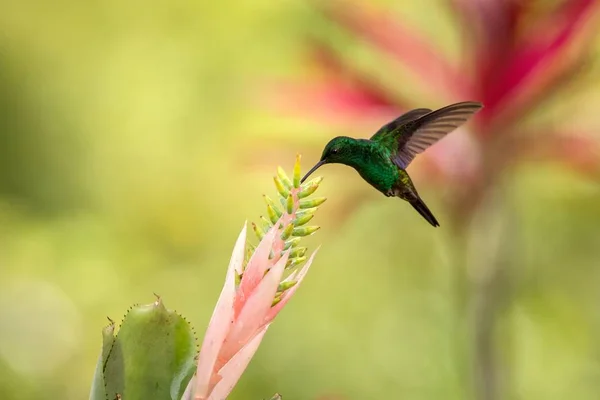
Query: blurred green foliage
<point>122,127</point>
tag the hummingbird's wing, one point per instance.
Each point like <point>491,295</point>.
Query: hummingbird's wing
<point>387,135</point>
<point>416,135</point>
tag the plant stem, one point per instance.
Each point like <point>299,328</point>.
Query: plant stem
<point>490,290</point>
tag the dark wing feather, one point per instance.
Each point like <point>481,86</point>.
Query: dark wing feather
<point>387,135</point>
<point>417,135</point>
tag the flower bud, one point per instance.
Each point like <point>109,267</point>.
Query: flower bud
<point>299,221</point>
<point>283,286</point>
<point>304,230</point>
<point>287,232</point>
<point>281,189</point>
<point>289,206</point>
<point>297,173</point>
<point>310,203</point>
<point>271,203</point>
<point>284,178</point>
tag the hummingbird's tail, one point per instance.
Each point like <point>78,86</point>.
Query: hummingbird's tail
<point>420,206</point>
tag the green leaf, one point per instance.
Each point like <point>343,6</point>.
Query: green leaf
<point>153,355</point>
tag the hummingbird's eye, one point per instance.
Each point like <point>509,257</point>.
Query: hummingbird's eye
<point>334,151</point>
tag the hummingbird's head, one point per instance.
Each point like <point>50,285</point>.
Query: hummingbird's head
<point>338,150</point>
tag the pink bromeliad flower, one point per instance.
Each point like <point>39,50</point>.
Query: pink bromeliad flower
<point>514,56</point>
<point>258,284</point>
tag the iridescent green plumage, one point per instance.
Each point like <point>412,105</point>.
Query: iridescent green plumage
<point>383,159</point>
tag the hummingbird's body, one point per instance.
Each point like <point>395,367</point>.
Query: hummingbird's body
<point>382,159</point>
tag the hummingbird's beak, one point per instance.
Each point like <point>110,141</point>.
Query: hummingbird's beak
<point>313,169</point>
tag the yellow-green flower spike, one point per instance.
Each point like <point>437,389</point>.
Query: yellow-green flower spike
<point>290,213</point>
<point>259,233</point>
<point>299,221</point>
<point>284,178</point>
<point>298,252</point>
<point>293,242</point>
<point>307,190</point>
<point>297,172</point>
<point>271,203</point>
<point>283,192</point>
<point>283,286</point>
<point>289,206</point>
<point>310,203</point>
<point>304,230</point>
<point>287,232</point>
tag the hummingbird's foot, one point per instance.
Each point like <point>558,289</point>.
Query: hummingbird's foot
<point>390,193</point>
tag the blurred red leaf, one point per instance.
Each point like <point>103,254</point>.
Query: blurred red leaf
<point>403,43</point>
<point>536,64</point>
<point>337,94</point>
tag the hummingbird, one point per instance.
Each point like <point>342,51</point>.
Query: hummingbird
<point>382,160</point>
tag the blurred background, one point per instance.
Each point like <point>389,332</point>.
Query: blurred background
<point>136,138</point>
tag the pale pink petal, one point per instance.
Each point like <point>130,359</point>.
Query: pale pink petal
<point>290,292</point>
<point>232,371</point>
<point>278,243</point>
<point>220,321</point>
<point>254,310</point>
<point>255,270</point>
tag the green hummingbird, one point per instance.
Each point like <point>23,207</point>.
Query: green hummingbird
<point>382,160</point>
